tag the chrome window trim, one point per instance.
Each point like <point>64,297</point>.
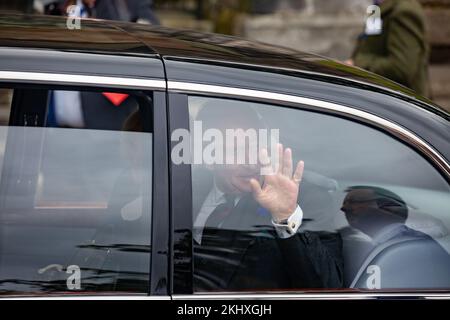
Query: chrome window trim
<point>65,78</point>
<point>88,297</point>
<point>395,129</point>
<point>249,296</point>
<point>313,296</point>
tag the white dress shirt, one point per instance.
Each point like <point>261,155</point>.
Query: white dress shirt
<point>217,197</point>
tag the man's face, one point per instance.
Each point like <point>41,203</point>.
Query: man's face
<point>235,179</point>
<point>240,157</point>
<point>359,206</point>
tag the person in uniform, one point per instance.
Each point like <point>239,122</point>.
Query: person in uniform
<point>394,44</point>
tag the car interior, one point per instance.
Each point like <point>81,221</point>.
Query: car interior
<point>74,183</point>
<point>335,160</point>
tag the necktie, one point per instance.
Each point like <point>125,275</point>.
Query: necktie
<point>220,213</point>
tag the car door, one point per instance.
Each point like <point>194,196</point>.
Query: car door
<point>374,197</point>
<point>84,179</point>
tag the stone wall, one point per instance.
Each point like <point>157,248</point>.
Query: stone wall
<point>323,27</point>
<point>437,14</point>
<point>330,28</point>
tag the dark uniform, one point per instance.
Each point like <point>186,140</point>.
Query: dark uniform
<point>400,50</point>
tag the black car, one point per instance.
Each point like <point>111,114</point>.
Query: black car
<point>98,199</point>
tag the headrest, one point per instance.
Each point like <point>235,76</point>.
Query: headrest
<point>427,224</point>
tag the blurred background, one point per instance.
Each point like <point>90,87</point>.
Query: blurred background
<point>325,27</point>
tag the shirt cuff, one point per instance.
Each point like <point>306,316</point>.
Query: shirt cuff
<point>288,228</point>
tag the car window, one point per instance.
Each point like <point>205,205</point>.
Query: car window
<point>75,186</point>
<point>5,105</point>
<point>374,213</point>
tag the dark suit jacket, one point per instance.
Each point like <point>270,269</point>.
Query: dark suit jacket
<point>245,253</point>
<point>128,10</point>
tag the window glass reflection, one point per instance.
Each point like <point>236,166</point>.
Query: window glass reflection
<point>375,212</point>
<point>75,207</point>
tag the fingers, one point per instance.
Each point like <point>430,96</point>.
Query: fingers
<point>264,157</point>
<point>279,164</point>
<point>264,160</point>
<point>283,165</point>
<point>287,163</point>
<point>298,174</point>
<point>256,187</point>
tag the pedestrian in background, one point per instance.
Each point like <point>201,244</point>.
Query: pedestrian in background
<point>140,11</point>
<point>395,46</point>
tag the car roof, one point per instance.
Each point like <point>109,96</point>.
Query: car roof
<point>94,36</point>
<point>51,32</point>
<point>131,39</point>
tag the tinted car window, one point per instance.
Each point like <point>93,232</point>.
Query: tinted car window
<point>375,212</point>
<point>5,105</point>
<point>75,204</point>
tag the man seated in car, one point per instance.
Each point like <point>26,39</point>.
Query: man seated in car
<point>246,225</point>
<point>381,215</point>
